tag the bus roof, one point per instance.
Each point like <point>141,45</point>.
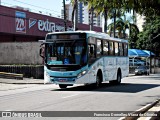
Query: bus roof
<point>99,35</point>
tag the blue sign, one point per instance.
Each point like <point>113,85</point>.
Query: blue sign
<point>66,61</point>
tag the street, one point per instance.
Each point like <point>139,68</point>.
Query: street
<point>134,93</point>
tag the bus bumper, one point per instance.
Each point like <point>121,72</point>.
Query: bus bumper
<point>66,80</point>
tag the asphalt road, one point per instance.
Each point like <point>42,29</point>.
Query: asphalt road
<point>134,93</point>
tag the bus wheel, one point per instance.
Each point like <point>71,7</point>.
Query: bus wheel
<point>117,81</point>
<point>62,86</point>
<point>98,81</point>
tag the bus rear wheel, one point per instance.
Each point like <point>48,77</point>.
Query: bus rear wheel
<point>117,81</point>
<point>62,86</point>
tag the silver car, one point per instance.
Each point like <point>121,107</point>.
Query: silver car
<point>140,70</point>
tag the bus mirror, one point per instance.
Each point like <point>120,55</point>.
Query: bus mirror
<point>91,50</point>
<point>41,52</point>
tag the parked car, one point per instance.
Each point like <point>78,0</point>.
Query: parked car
<point>140,70</point>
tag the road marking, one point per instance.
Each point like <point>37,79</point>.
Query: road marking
<point>70,96</point>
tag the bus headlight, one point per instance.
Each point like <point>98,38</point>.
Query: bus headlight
<point>81,74</point>
<point>47,75</point>
<point>46,78</point>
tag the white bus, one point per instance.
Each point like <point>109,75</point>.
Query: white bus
<point>84,57</point>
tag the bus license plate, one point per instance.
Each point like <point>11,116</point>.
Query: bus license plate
<point>62,80</point>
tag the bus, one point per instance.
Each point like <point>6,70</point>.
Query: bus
<point>84,57</point>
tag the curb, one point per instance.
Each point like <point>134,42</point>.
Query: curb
<point>11,75</point>
<point>141,111</point>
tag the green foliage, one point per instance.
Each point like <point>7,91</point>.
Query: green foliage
<point>122,25</point>
<point>150,37</point>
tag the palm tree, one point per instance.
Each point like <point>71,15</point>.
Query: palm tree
<point>100,6</point>
<point>115,13</point>
<point>106,6</point>
<point>74,13</point>
<point>122,25</point>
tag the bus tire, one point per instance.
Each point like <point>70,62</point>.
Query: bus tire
<point>62,86</point>
<point>117,81</point>
<point>98,79</point>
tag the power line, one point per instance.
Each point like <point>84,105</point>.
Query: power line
<point>35,10</point>
<point>36,6</point>
<point>40,11</point>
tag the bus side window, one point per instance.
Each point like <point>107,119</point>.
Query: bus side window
<point>116,48</point>
<point>105,47</point>
<point>111,48</point>
<point>125,49</point>
<point>91,54</point>
<point>91,51</point>
<point>99,48</point>
<point>121,48</point>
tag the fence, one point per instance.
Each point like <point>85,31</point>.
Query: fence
<point>35,71</point>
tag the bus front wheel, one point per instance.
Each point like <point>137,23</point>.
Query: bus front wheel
<point>62,86</point>
<point>98,79</point>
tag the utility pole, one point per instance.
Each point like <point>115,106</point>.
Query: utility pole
<point>64,7</point>
<point>91,19</point>
<point>76,15</point>
<point>114,32</point>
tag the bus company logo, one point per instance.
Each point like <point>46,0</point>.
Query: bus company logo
<point>6,114</point>
<point>20,21</point>
<point>32,22</point>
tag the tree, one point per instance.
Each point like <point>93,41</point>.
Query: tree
<point>103,6</point>
<point>74,13</point>
<point>145,7</point>
<point>122,25</point>
<point>149,38</point>
<point>100,7</point>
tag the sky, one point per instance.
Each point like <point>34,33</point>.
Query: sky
<point>50,7</point>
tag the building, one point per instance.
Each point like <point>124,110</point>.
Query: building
<point>84,15</point>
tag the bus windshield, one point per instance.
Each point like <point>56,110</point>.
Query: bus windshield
<point>66,52</point>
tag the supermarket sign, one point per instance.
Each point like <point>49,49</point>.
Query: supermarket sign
<point>47,26</point>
